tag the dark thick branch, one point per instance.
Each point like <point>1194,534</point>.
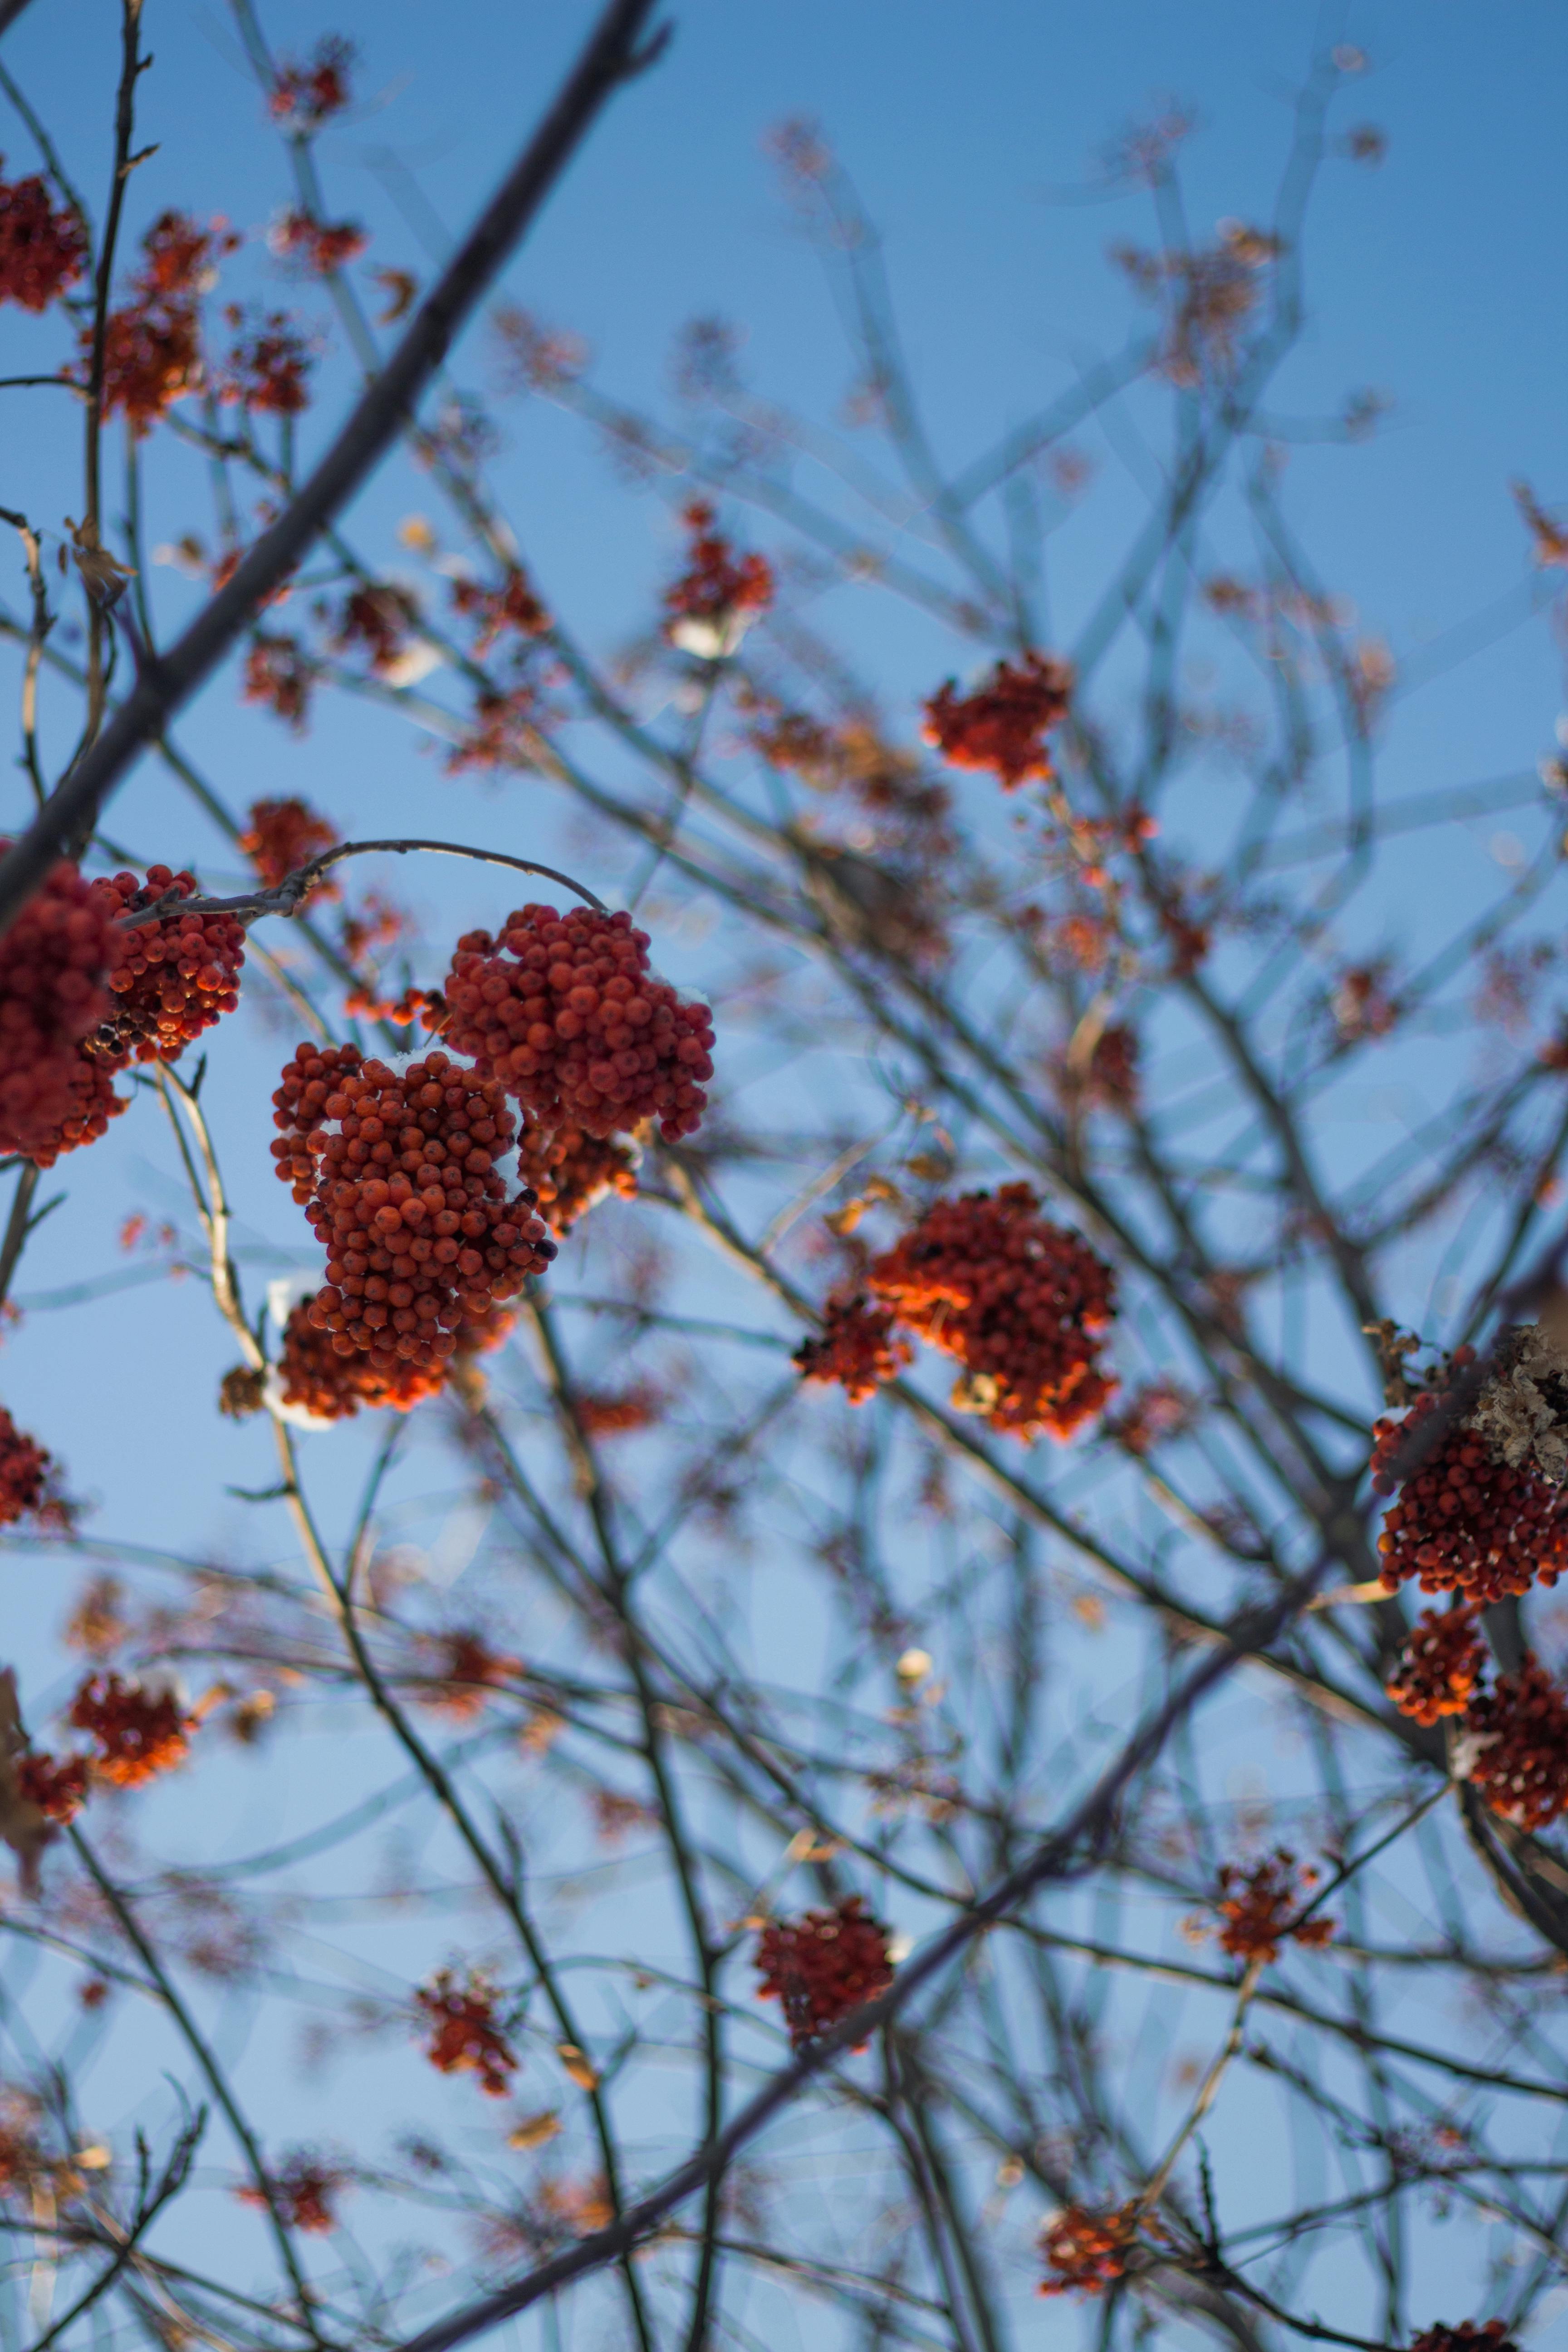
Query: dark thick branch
<point>164,684</point>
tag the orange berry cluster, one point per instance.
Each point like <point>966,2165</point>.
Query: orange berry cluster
<point>1258,1907</point>
<point>466,2039</point>
<point>171,979</point>
<point>1466,2338</point>
<point>565,1014</point>
<point>24,1470</point>
<point>1464,1521</point>
<point>1019,1302</point>
<point>859,1346</point>
<point>1087,2250</point>
<point>398,1177</point>
<point>41,251</point>
<point>717,584</point>
<point>54,963</point>
<point>571,1171</point>
<point>1002,726</point>
<point>823,1967</point>
<point>283,836</point>
<point>1443,1660</point>
<point>468,1672</point>
<point>140,1733</point>
<point>305,95</point>
<point>313,1373</point>
<point>302,2192</point>
<point>1522,1727</point>
<point>58,1790</point>
<point>151,348</point>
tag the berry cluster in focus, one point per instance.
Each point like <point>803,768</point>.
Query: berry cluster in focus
<point>1464,1521</point>
<point>570,1171</point>
<point>564,1012</point>
<point>1443,1660</point>
<point>169,980</point>
<point>1521,1729</point>
<point>283,836</point>
<point>398,1177</point>
<point>1019,1302</point>
<point>54,967</point>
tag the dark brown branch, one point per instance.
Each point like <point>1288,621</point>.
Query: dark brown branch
<point>610,57</point>
<point>293,891</point>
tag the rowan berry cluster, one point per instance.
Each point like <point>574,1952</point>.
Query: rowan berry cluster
<point>570,1171</point>
<point>265,370</point>
<point>564,1012</point>
<point>467,1673</point>
<point>169,980</point>
<point>54,965</point>
<point>1018,1302</point>
<point>1443,1660</point>
<point>283,836</point>
<point>859,1347</point>
<point>823,1967</point>
<point>711,606</point>
<point>465,2038</point>
<point>1520,1731</point>
<point>1466,1521</point>
<point>398,1177</point>
<point>151,349</point>
<point>501,733</point>
<point>301,2193</point>
<point>314,1377</point>
<point>1466,2338</point>
<point>1084,2249</point>
<point>619,1412</point>
<point>305,95</point>
<point>375,621</point>
<point>280,673</point>
<point>58,1790</point>
<point>1002,726</point>
<point>512,606</point>
<point>139,1732</point>
<point>25,1474</point>
<point>1260,1907</point>
<point>318,246</point>
<point>41,251</point>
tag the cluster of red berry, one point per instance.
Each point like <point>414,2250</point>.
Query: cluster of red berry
<point>300,2192</point>
<point>514,607</point>
<point>25,1474</point>
<point>398,1177</point>
<point>1002,726</point>
<point>139,1732</point>
<point>1261,1906</point>
<point>267,363</point>
<point>169,980</point>
<point>1466,1521</point>
<point>1018,1302</point>
<point>1466,2338</point>
<point>1443,1662</point>
<point>823,1967</point>
<point>708,606</point>
<point>314,1374</point>
<point>283,836</point>
<point>41,251</point>
<point>152,346</point>
<point>1520,1728</point>
<point>859,1347</point>
<point>58,1790</point>
<point>315,246</point>
<point>54,967</point>
<point>280,673</point>
<point>570,1171</point>
<point>375,621</point>
<point>564,1012</point>
<point>304,96</point>
<point>1086,2251</point>
<point>467,1674</point>
<point>466,2039</point>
